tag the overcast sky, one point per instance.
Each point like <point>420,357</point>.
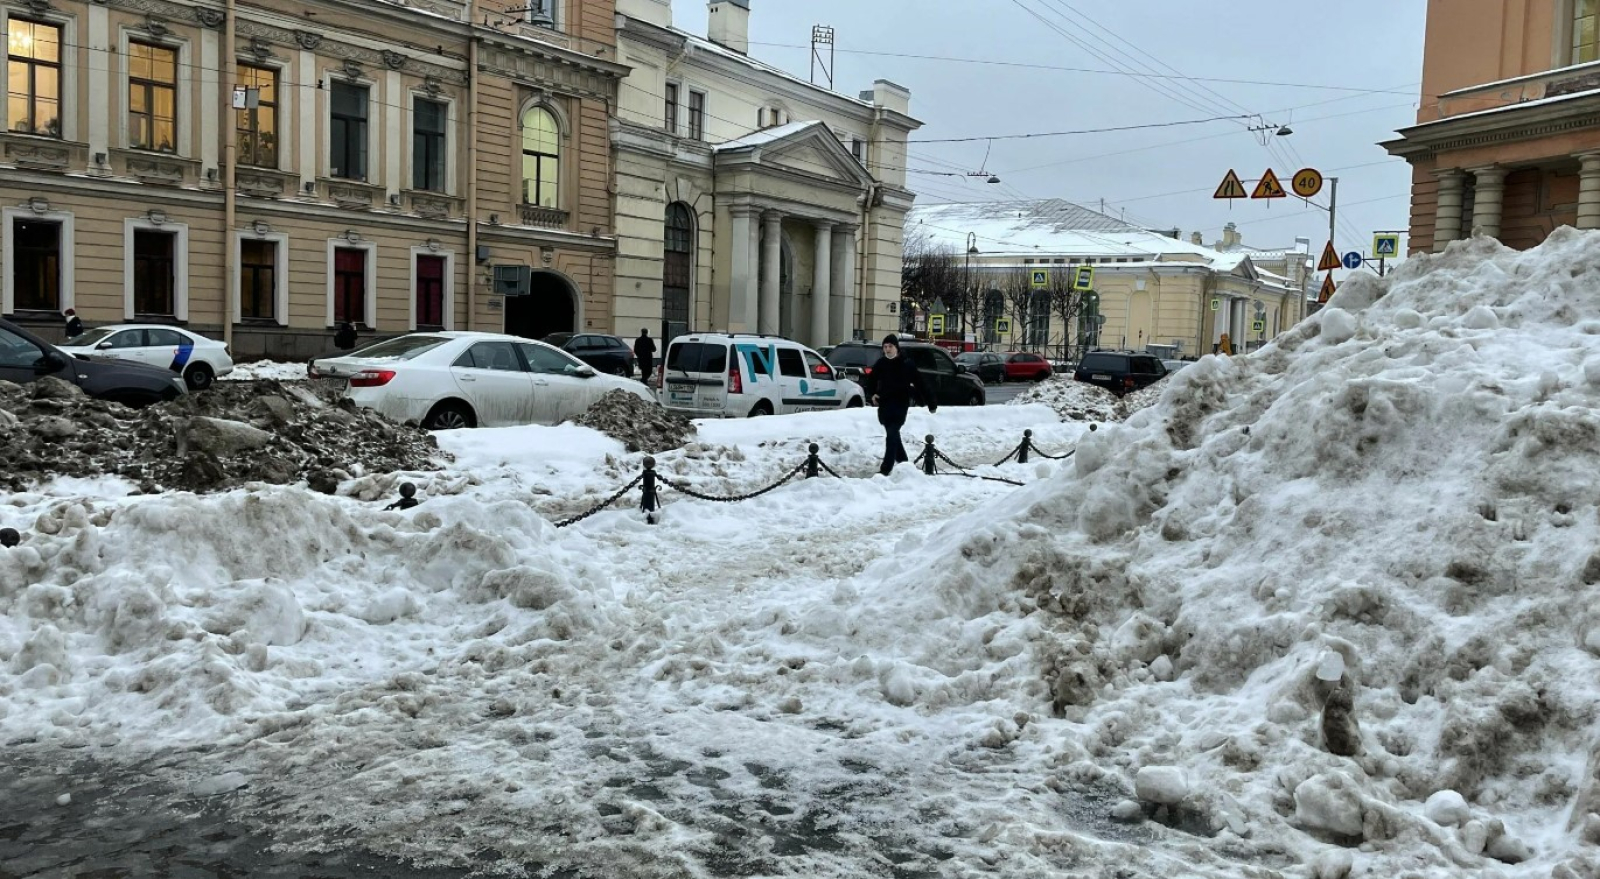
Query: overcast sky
<point>1161,177</point>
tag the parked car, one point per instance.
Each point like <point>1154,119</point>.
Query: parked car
<point>1173,366</point>
<point>1024,367</point>
<point>949,382</point>
<point>734,375</point>
<point>198,359</point>
<point>987,366</point>
<point>452,380</point>
<point>26,358</point>
<point>1120,372</point>
<point>607,354</point>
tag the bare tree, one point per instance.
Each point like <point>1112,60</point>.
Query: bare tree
<point>1067,306</point>
<point>931,276</point>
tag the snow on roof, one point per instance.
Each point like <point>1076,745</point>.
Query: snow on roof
<point>1574,70</point>
<point>764,136</point>
<point>1052,227</point>
<point>701,44</point>
<point>1522,105</point>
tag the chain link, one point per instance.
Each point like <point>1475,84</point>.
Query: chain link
<point>684,487</point>
<point>603,504</point>
<point>1036,450</point>
<point>963,471</point>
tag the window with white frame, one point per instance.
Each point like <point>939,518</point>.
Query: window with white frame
<point>152,97</point>
<point>697,115</point>
<point>155,274</point>
<point>35,264</point>
<point>258,279</point>
<point>429,127</point>
<point>431,275</point>
<point>671,115</point>
<point>257,123</point>
<point>347,131</point>
<point>34,77</point>
<point>350,284</point>
<point>541,159</point>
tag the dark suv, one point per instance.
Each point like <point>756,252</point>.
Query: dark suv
<point>949,382</point>
<point>1120,372</point>
<point>26,358</point>
<point>607,354</point>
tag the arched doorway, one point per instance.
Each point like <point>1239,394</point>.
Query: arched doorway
<point>551,306</point>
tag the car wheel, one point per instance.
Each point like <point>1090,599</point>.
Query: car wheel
<point>1042,376</point>
<point>199,376</point>
<point>855,403</point>
<point>977,400</point>
<point>762,408</point>
<point>449,415</point>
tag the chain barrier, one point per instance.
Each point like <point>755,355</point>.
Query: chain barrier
<point>684,487</point>
<point>962,471</point>
<point>603,504</point>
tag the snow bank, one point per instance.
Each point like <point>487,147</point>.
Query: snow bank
<point>267,369</point>
<point>1407,480</point>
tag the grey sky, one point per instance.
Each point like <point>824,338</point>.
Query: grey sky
<point>1365,44</point>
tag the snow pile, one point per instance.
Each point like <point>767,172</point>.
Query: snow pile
<point>1346,585</point>
<point>266,370</point>
<point>232,434</point>
<point>1073,400</point>
<point>641,426</point>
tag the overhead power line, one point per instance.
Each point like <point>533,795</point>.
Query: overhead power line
<point>1079,131</point>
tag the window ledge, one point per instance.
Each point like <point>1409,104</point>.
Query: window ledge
<point>41,153</point>
<point>356,195</point>
<point>147,166</point>
<point>542,218</point>
<point>261,182</point>
<point>434,205</point>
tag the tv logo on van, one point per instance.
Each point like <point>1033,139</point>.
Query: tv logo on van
<point>759,360</point>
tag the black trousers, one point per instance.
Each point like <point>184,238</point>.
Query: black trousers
<point>894,451</point>
<point>647,365</point>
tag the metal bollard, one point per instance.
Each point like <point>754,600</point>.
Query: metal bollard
<point>813,464</point>
<point>9,537</point>
<point>649,504</point>
<point>929,457</point>
<point>1027,445</point>
<point>408,498</point>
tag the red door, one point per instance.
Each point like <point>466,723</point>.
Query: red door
<point>430,292</point>
<point>349,285</point>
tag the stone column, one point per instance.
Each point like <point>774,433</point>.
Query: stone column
<point>842,315</point>
<point>1488,201</point>
<point>1447,214</point>
<point>771,259</point>
<point>1589,191</point>
<point>742,303</point>
<point>822,286</point>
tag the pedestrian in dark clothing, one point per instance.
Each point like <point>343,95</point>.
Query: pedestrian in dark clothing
<point>894,381</point>
<point>345,339</point>
<point>74,325</point>
<point>644,348</point>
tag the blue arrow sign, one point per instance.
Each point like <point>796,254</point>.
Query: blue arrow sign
<point>1352,260</point>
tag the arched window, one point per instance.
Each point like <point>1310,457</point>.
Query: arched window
<point>677,275</point>
<point>541,159</point>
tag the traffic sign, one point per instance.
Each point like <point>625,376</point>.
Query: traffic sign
<point>1216,304</point>
<point>1084,279</point>
<point>1353,260</point>
<point>1041,278</point>
<point>1231,187</point>
<point>936,324</point>
<point>1386,244</point>
<point>1002,326</point>
<point>1259,326</point>
<point>1330,259</point>
<point>1327,290</point>
<point>1269,187</point>
<point>1307,182</point>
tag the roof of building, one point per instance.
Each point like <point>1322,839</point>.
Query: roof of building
<point>701,44</point>
<point>765,136</point>
<point>1046,227</point>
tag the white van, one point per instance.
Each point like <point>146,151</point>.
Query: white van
<point>735,375</point>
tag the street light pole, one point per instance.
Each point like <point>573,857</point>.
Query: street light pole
<point>972,295</point>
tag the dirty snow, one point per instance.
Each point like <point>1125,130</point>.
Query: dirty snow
<point>266,370</point>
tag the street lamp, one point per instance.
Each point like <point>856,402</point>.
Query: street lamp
<point>972,295</point>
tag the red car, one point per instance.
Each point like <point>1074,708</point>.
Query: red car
<point>1024,367</point>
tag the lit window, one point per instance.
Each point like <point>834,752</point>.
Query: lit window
<point>152,97</point>
<point>541,159</point>
<point>35,77</point>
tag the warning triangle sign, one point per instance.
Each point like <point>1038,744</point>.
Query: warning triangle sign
<point>1231,187</point>
<point>1330,259</point>
<point>1269,187</point>
<point>1327,290</point>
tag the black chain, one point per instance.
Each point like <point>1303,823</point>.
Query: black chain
<point>963,471</point>
<point>829,470</point>
<point>1007,459</point>
<point>1044,454</point>
<point>603,504</point>
<point>683,487</point>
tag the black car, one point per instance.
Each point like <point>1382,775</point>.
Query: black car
<point>986,365</point>
<point>607,354</point>
<point>26,358</point>
<point>1120,372</point>
<point>949,382</point>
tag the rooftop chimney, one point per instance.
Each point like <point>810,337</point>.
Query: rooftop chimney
<point>889,96</point>
<point>730,25</point>
<point>1197,238</point>
<point>1231,236</point>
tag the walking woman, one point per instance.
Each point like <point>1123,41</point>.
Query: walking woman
<point>894,381</point>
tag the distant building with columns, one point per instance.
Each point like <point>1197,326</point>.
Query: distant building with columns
<point>748,199</point>
<point>1507,140</point>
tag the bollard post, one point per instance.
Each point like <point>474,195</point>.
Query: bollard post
<point>408,498</point>
<point>928,457</point>
<point>1027,444</point>
<point>9,537</point>
<point>813,468</point>
<point>649,504</point>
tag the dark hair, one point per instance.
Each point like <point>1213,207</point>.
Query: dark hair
<point>892,339</point>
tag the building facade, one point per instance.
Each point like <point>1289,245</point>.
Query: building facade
<point>1152,290</point>
<point>385,157</point>
<point>747,199</point>
<point>1507,140</point>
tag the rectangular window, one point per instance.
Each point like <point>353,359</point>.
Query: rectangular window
<point>347,147</point>
<point>153,272</point>
<point>34,77</point>
<point>428,120</point>
<point>697,115</point>
<point>152,97</point>
<point>672,108</point>
<point>544,13</point>
<point>858,148</point>
<point>349,285</point>
<point>258,279</point>
<point>37,265</point>
<point>430,291</point>
<point>258,124</point>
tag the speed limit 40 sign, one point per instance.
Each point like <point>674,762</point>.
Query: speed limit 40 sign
<point>1307,182</point>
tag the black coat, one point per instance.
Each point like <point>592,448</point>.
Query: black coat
<point>74,327</point>
<point>345,339</point>
<point>644,347</point>
<point>896,383</point>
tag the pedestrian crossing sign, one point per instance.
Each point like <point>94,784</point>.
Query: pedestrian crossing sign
<point>1003,326</point>
<point>936,324</point>
<point>1041,279</point>
<point>1259,326</point>
<point>1386,245</point>
<point>1083,279</point>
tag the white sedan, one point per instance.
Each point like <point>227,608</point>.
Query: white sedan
<point>451,380</point>
<point>198,359</point>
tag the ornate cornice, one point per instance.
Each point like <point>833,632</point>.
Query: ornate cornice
<point>548,73</point>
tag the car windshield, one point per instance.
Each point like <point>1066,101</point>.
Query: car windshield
<point>1113,362</point>
<point>970,358</point>
<point>92,338</point>
<point>557,339</point>
<point>698,357</point>
<point>403,348</point>
<point>854,355</point>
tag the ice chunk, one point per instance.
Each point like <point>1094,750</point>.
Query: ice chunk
<point>1447,809</point>
<point>1338,326</point>
<point>1162,785</point>
<point>1329,803</point>
<point>1330,666</point>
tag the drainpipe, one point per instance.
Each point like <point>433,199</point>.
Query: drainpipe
<point>873,191</point>
<point>230,153</point>
<point>472,163</point>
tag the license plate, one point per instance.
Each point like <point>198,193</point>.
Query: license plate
<point>1101,378</point>
<point>680,388</point>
